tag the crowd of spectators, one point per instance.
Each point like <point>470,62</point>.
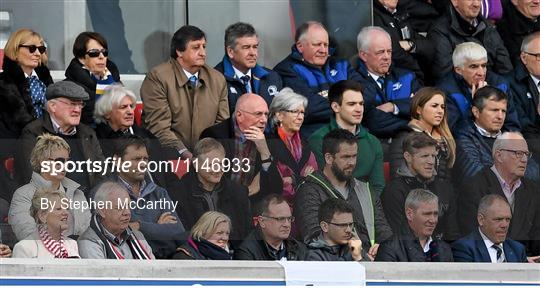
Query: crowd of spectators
<point>423,147</point>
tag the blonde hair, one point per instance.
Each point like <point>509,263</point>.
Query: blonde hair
<point>207,224</point>
<point>43,193</point>
<point>18,38</point>
<point>420,98</point>
<point>45,145</point>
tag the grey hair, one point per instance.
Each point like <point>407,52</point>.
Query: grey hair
<point>468,51</point>
<point>527,40</point>
<point>286,99</point>
<point>301,31</point>
<point>487,201</point>
<point>363,40</point>
<point>238,30</point>
<point>112,97</point>
<point>107,190</point>
<point>503,138</point>
<point>418,196</point>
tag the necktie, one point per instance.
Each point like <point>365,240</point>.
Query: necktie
<point>500,258</point>
<point>193,80</point>
<point>37,93</point>
<point>380,81</point>
<point>245,79</point>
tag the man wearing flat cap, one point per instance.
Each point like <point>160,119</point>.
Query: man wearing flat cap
<point>65,101</point>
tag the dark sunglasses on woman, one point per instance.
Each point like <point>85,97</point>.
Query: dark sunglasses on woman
<point>32,48</point>
<point>95,52</point>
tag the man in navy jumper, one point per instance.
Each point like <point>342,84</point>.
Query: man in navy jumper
<point>388,89</point>
<point>240,68</point>
<point>470,73</point>
<point>310,71</point>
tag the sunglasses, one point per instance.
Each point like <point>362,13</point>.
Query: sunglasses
<point>32,48</point>
<point>95,52</point>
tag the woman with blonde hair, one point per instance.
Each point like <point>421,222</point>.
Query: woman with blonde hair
<point>50,151</point>
<point>429,116</point>
<point>208,240</point>
<point>49,241</point>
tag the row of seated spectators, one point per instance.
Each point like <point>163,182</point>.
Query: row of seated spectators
<point>279,141</point>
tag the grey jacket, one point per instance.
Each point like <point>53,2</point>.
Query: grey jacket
<point>24,225</point>
<point>371,225</point>
<point>319,250</point>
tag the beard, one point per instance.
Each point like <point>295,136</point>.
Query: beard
<point>340,175</point>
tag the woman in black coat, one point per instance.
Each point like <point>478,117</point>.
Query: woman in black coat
<point>91,69</point>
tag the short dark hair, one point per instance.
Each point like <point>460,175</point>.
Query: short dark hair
<point>122,143</point>
<point>79,47</point>
<point>264,204</point>
<point>304,27</point>
<point>331,206</point>
<point>417,140</point>
<point>487,93</point>
<point>238,30</point>
<point>184,35</point>
<point>335,94</point>
<point>334,138</point>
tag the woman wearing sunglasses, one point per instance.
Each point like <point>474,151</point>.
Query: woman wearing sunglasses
<point>52,152</point>
<point>22,89</point>
<point>91,69</point>
<point>49,240</point>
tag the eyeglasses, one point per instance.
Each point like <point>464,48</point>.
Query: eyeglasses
<point>257,114</point>
<point>519,154</point>
<point>343,225</point>
<point>60,160</point>
<point>536,55</point>
<point>95,52</point>
<point>32,48</point>
<point>295,112</point>
<point>281,219</point>
<point>71,104</point>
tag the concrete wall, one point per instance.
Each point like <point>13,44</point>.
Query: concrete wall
<point>165,272</point>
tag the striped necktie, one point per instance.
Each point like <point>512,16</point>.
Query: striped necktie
<point>500,257</point>
<point>245,80</point>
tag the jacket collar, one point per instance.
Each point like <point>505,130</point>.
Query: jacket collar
<point>69,184</point>
<point>297,56</point>
<point>454,22</point>
<point>181,77</point>
<point>149,188</point>
<point>257,71</point>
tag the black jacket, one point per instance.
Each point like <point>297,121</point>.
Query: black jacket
<point>319,250</point>
<point>446,34</point>
<point>232,201</point>
<point>525,223</point>
<point>513,27</point>
<point>224,133</point>
<point>255,248</point>
<point>406,248</point>
<point>86,136</point>
<point>315,190</point>
<point>16,109</point>
<point>76,73</point>
<point>395,24</point>
<point>397,190</point>
<point>525,94</point>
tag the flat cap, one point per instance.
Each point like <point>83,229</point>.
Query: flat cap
<point>68,89</point>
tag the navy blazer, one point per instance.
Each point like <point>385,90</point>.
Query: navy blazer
<point>473,249</point>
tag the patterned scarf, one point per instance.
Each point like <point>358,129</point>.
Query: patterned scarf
<point>294,144</point>
<point>137,249</point>
<point>37,93</point>
<point>57,248</point>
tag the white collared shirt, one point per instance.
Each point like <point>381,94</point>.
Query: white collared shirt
<point>188,75</point>
<point>426,246</point>
<point>31,74</point>
<point>375,77</point>
<point>57,128</point>
<point>239,74</point>
<point>492,251</point>
<point>486,133</point>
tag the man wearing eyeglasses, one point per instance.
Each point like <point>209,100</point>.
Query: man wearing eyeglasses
<point>335,180</point>
<point>65,100</point>
<point>506,178</point>
<point>525,85</point>
<point>475,137</point>
<point>243,138</point>
<point>337,241</point>
<point>271,238</point>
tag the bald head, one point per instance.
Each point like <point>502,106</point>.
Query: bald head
<point>251,110</point>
